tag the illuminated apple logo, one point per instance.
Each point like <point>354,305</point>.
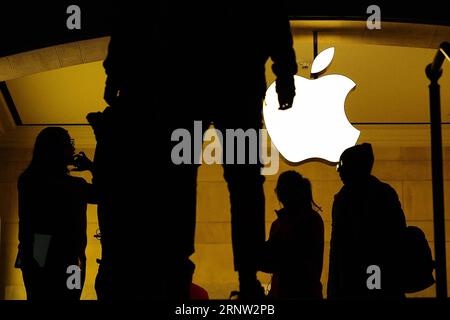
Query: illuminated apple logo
<point>316,126</point>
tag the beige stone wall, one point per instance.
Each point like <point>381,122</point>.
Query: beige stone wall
<point>402,159</point>
<point>407,169</point>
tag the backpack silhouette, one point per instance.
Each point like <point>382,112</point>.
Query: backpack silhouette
<point>418,263</point>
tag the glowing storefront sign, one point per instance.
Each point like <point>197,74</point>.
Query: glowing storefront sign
<point>316,127</point>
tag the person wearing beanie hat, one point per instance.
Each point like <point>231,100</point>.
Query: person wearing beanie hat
<point>367,226</point>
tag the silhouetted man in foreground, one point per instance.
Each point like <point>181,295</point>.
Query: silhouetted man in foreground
<point>368,224</point>
<point>225,87</point>
<point>52,217</point>
<point>201,61</point>
<point>129,169</point>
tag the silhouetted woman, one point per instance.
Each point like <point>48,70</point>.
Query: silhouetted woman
<point>294,250</point>
<point>52,217</point>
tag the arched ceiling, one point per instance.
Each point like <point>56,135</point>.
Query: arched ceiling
<point>61,84</point>
<point>339,31</point>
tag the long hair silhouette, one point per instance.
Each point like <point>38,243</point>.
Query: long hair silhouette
<point>53,151</point>
<point>295,190</point>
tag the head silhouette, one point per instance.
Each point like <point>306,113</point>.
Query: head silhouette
<point>294,191</point>
<point>356,163</point>
<point>53,150</point>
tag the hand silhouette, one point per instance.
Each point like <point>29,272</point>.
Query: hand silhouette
<point>285,88</point>
<point>81,162</point>
<point>285,102</point>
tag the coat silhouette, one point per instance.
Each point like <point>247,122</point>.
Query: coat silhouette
<point>367,228</point>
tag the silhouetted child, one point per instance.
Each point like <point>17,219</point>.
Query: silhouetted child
<point>368,223</point>
<point>52,217</point>
<point>294,250</point>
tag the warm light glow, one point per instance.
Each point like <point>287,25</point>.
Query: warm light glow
<point>63,95</point>
<point>316,126</point>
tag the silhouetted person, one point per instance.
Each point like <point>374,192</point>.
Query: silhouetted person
<point>294,250</point>
<point>52,217</point>
<point>129,172</point>
<point>227,90</point>
<point>200,61</point>
<point>368,223</point>
<point>130,266</point>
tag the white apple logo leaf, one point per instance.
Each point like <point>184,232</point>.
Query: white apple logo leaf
<point>323,60</point>
<point>316,126</point>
